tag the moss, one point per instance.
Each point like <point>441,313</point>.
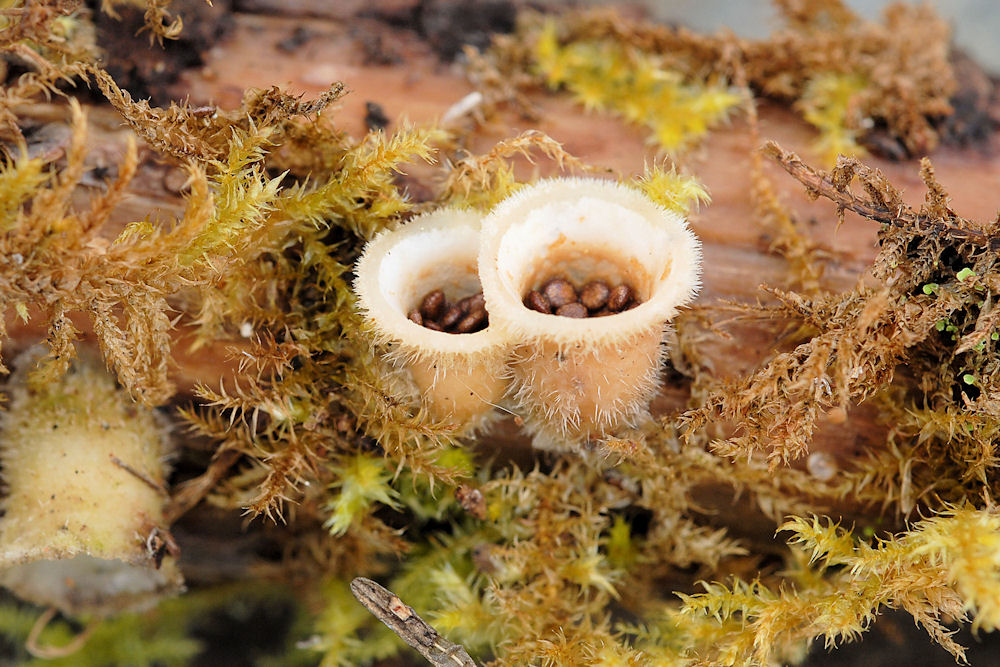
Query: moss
<point>538,564</point>
<point>605,75</point>
<point>174,633</point>
<point>828,104</point>
<point>825,61</point>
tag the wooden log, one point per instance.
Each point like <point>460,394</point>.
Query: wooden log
<point>419,88</point>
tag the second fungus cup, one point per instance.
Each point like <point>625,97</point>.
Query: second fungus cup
<point>580,378</point>
<point>405,280</point>
<point>84,468</point>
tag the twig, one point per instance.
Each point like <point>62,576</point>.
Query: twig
<point>140,475</point>
<point>192,491</point>
<point>820,183</point>
<point>412,629</point>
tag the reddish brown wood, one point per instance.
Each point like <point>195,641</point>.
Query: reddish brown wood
<point>420,89</point>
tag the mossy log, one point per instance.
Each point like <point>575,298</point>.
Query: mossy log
<point>416,87</point>
<point>390,61</point>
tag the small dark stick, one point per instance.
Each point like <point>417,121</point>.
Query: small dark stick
<point>412,629</point>
<point>141,476</point>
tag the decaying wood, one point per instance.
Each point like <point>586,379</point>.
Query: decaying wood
<point>738,255</point>
<point>777,259</point>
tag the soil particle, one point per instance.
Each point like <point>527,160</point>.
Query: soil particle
<point>297,38</point>
<point>976,106</point>
<point>375,118</point>
<point>449,25</point>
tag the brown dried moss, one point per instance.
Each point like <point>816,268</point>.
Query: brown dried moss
<point>317,431</point>
<point>899,70</point>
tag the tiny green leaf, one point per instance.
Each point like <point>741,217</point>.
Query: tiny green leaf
<point>965,273</point>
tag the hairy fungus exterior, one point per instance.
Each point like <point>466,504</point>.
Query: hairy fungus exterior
<point>580,379</point>
<point>460,377</point>
<point>84,467</point>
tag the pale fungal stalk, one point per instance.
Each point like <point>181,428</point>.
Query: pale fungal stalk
<point>84,469</point>
<point>459,377</point>
<point>578,380</point>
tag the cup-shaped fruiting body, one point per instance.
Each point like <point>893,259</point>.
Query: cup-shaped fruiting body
<point>577,380</point>
<point>84,466</point>
<point>460,376</point>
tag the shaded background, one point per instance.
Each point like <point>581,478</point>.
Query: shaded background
<point>976,22</point>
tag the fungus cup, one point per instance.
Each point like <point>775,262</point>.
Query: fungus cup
<point>84,466</point>
<point>459,376</point>
<point>578,380</point>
